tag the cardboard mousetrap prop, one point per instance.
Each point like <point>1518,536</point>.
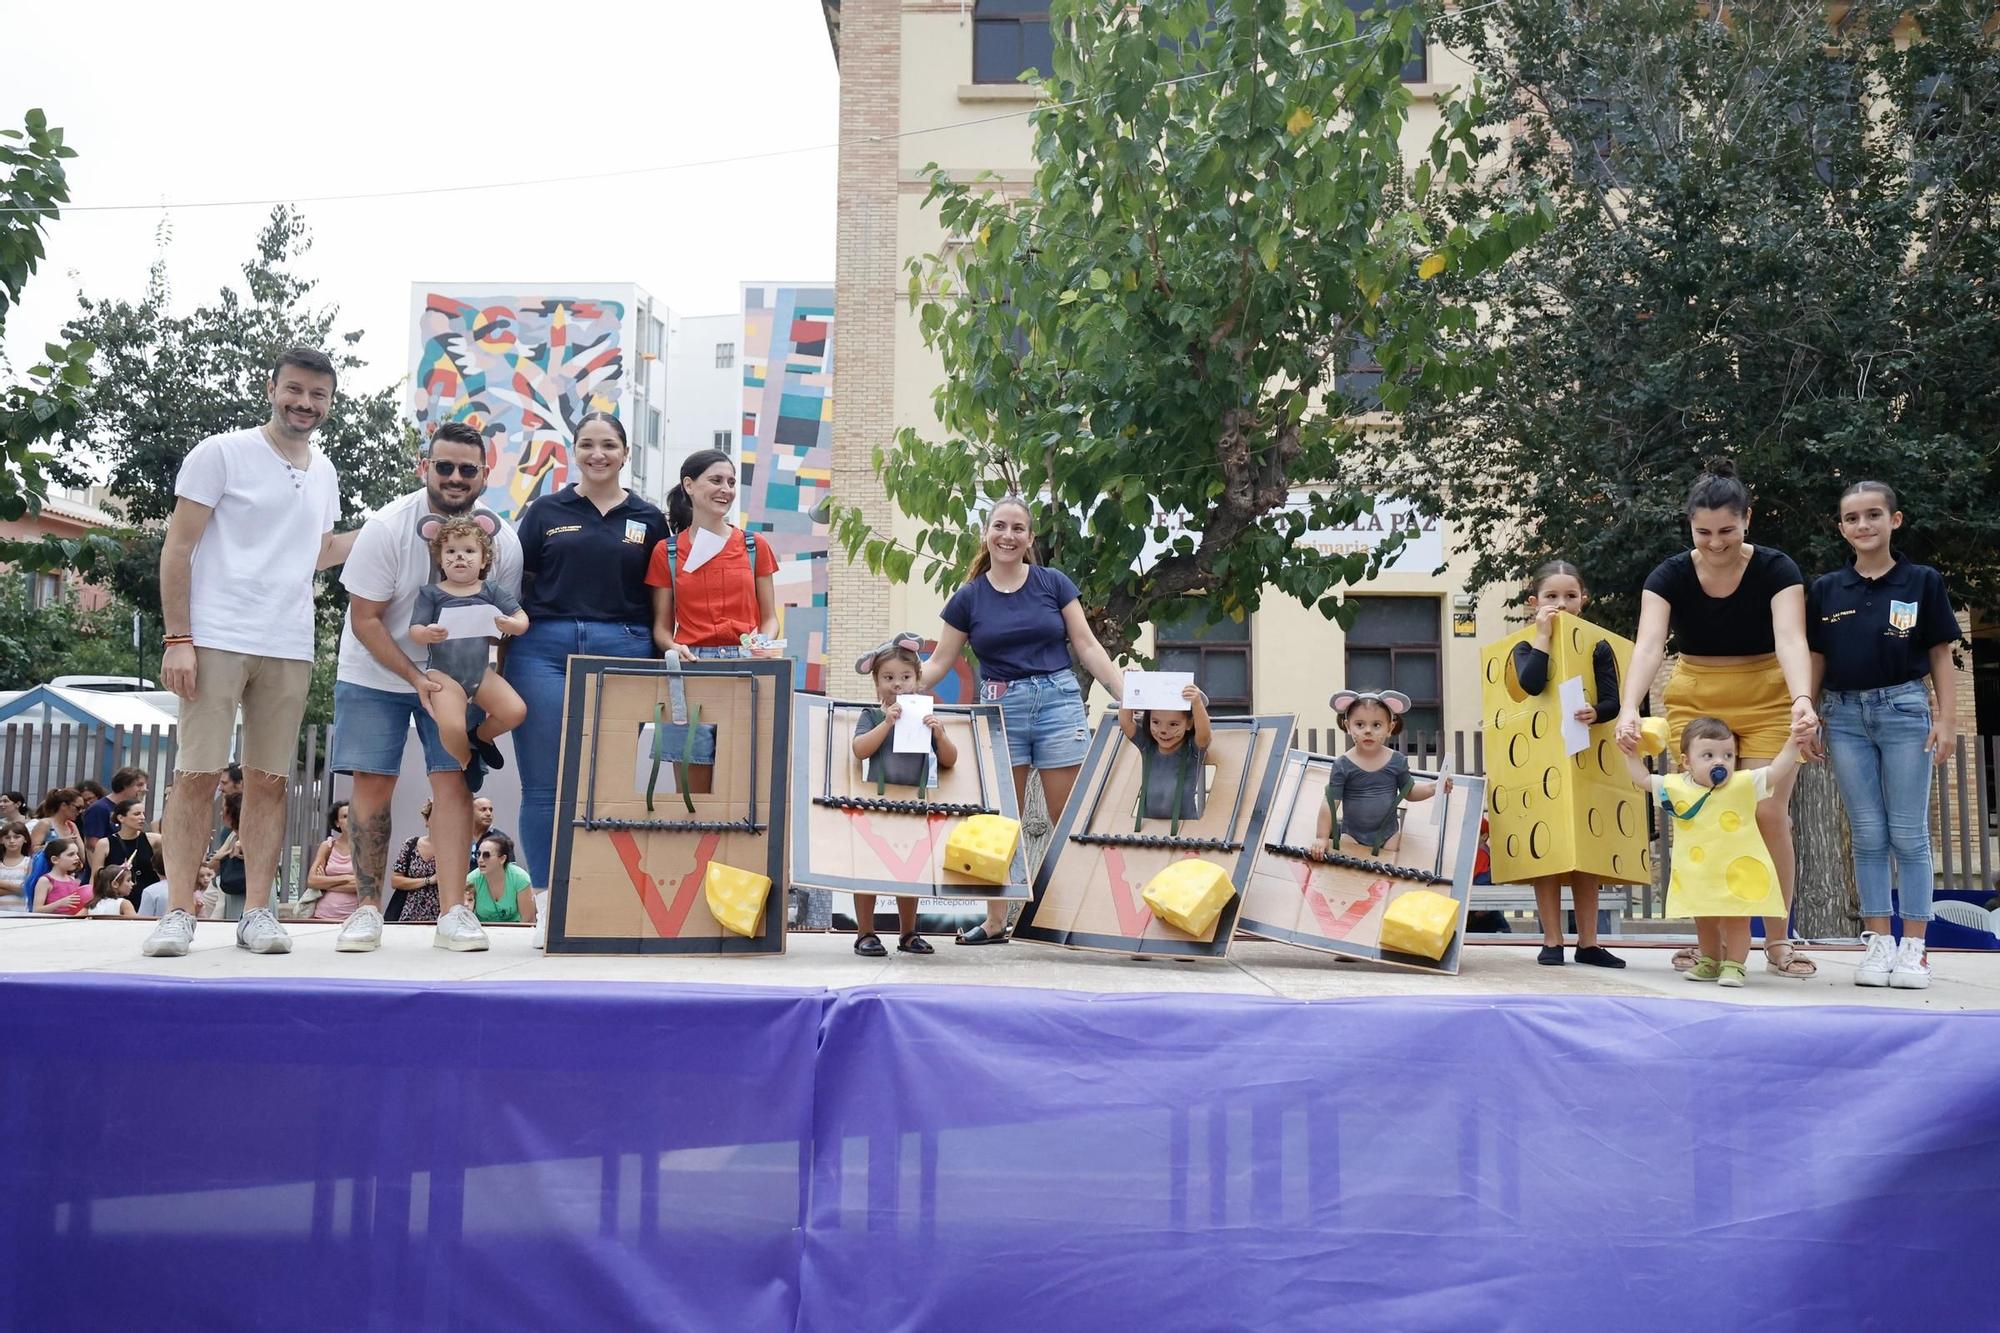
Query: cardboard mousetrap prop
<point>640,821</point>
<point>848,837</point>
<point>1335,905</point>
<point>1089,892</point>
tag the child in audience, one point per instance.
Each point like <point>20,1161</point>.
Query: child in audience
<point>111,889</point>
<point>894,668</point>
<point>1371,779</point>
<point>1557,589</point>
<point>1177,789</point>
<point>1722,873</point>
<point>15,860</point>
<point>61,891</point>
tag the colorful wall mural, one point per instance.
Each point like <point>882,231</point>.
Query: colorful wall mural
<point>522,369</point>
<point>787,455</point>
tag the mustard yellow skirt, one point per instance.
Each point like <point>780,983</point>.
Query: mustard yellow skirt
<point>1752,698</point>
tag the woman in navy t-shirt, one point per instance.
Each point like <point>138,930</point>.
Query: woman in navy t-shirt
<point>1024,622</point>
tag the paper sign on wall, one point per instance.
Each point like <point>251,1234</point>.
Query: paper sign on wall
<point>911,735</point>
<point>1157,690</point>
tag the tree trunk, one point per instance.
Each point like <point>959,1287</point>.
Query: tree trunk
<point>1827,905</point>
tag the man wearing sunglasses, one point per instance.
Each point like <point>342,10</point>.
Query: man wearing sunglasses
<point>378,691</point>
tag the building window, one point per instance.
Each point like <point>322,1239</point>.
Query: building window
<point>656,337</point>
<point>44,590</point>
<point>723,440</point>
<point>1395,643</point>
<point>1011,38</point>
<point>1218,655</point>
<point>1417,70</point>
<point>652,425</point>
<point>725,355</point>
<point>639,456</point>
<point>1361,382</point>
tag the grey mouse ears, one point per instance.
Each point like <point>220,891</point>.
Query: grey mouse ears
<point>428,525</point>
<point>1395,701</point>
<point>865,664</point>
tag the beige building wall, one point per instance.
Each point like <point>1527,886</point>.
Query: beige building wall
<point>906,66</point>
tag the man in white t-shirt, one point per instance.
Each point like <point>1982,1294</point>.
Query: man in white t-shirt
<point>379,690</point>
<point>252,523</point>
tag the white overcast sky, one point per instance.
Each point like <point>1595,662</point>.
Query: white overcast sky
<point>230,99</point>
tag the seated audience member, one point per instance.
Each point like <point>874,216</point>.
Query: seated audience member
<point>499,889</point>
<point>413,878</point>
<point>100,817</point>
<point>111,892</point>
<point>227,860</point>
<point>15,861</point>
<point>332,870</point>
<point>482,827</point>
<point>62,890</point>
<point>129,843</point>
<point>56,816</point>
<point>14,807</point>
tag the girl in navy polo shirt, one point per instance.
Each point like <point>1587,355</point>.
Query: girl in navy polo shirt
<point>1877,629</point>
<point>1024,621</point>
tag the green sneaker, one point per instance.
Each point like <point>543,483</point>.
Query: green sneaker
<point>1706,969</point>
<point>1731,975</point>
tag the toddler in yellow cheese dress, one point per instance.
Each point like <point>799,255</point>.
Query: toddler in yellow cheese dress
<point>1722,873</point>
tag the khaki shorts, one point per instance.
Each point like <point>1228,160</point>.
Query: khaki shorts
<point>272,692</point>
<point>1751,698</point>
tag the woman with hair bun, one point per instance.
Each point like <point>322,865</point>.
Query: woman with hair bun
<point>710,607</point>
<point>1737,613</point>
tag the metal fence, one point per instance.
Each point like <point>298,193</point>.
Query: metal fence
<point>36,759</point>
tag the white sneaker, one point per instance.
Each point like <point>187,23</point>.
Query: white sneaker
<point>1913,965</point>
<point>459,931</point>
<point>361,932</point>
<point>171,938</point>
<point>1878,962</point>
<point>260,932</point>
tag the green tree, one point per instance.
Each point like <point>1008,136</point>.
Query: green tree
<point>39,643</point>
<point>39,411</point>
<point>168,381</point>
<point>1152,340</point>
<point>1776,240</point>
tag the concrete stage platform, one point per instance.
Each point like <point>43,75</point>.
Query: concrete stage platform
<point>1961,981</point>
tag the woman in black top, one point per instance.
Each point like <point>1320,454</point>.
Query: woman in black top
<point>1878,627</point>
<point>583,585</point>
<point>129,841</point>
<point>1738,615</point>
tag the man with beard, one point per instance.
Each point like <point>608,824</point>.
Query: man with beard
<point>379,689</point>
<point>252,523</point>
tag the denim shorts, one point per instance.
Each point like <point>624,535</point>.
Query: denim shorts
<point>1046,727</point>
<point>370,726</point>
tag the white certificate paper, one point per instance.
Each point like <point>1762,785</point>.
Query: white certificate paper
<point>911,735</point>
<point>707,546</point>
<point>1157,690</point>
<point>469,622</point>
<point>1570,698</point>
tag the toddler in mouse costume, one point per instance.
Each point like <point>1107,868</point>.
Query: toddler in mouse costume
<point>1371,780</point>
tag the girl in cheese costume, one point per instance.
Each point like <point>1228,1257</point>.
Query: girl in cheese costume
<point>1558,588</point>
<point>1723,873</point>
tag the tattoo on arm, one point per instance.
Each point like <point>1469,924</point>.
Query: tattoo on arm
<point>371,855</point>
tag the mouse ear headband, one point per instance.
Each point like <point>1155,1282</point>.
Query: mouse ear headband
<point>865,664</point>
<point>488,521</point>
<point>1395,701</point>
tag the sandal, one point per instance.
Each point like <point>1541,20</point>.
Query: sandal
<point>1792,965</point>
<point>1686,958</point>
<point>1704,969</point>
<point>914,943</point>
<point>980,935</point>
<point>870,946</point>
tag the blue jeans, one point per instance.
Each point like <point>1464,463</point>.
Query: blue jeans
<point>1045,722</point>
<point>537,668</point>
<point>1875,739</point>
<point>370,727</point>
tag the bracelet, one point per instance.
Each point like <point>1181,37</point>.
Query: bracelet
<point>1806,697</point>
<point>170,640</point>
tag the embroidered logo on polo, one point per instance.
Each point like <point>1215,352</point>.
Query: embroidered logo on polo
<point>1902,617</point>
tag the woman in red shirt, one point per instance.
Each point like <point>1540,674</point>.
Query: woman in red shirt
<point>705,611</point>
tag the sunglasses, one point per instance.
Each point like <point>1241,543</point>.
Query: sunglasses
<point>488,856</point>
<point>447,469</point>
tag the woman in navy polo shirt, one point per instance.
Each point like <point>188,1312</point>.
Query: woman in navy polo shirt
<point>583,584</point>
<point>1024,621</point>
<point>1877,629</point>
